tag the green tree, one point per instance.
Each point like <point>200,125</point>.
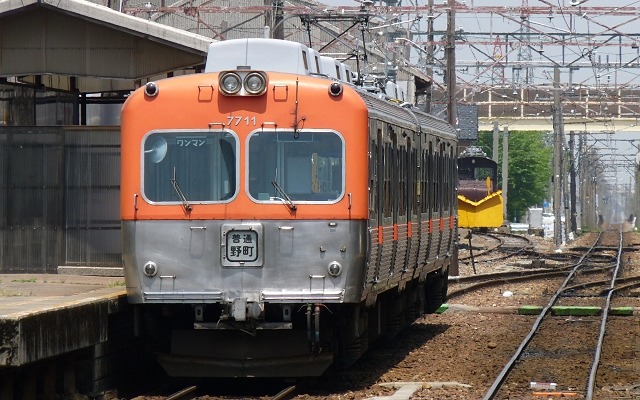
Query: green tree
<point>530,169</point>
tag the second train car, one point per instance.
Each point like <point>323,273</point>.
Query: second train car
<point>276,221</point>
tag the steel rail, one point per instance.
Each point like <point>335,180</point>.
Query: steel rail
<point>486,280</point>
<point>501,243</point>
<point>182,393</point>
<point>587,285</point>
<point>284,393</point>
<point>486,250</point>
<point>497,384</point>
<point>603,324</point>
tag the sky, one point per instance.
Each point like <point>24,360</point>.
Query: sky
<point>601,58</point>
<point>598,61</point>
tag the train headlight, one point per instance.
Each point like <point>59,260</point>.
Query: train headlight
<point>255,83</point>
<point>335,89</point>
<point>151,89</point>
<point>150,269</point>
<point>334,268</point>
<point>230,83</point>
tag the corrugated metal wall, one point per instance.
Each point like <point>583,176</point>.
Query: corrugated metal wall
<point>59,200</point>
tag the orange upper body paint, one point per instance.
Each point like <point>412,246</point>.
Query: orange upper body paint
<point>194,102</point>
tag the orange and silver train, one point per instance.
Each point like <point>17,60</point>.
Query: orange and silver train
<point>277,220</point>
<point>480,203</point>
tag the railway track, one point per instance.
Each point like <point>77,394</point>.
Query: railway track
<point>491,247</point>
<point>535,359</point>
<point>183,394</point>
<point>203,389</point>
<point>600,264</point>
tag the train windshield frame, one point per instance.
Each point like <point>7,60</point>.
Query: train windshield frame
<point>190,166</point>
<point>305,166</point>
<point>477,168</point>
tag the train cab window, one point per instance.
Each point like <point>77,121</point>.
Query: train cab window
<point>303,166</point>
<point>193,166</point>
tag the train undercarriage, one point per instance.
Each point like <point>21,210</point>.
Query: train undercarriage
<point>285,340</point>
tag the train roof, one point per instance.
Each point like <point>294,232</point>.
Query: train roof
<point>475,155</point>
<point>274,55</point>
<point>476,162</point>
<point>255,53</point>
<point>407,115</point>
<point>473,151</point>
<point>277,55</point>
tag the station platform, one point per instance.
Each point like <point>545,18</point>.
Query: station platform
<point>46,315</point>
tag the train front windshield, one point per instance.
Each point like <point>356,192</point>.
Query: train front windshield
<point>304,166</point>
<point>201,167</point>
<point>190,166</point>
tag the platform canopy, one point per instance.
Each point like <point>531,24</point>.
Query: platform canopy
<point>78,45</point>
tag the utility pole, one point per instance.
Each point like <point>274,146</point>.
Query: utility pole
<point>572,174</point>
<point>429,69</point>
<point>505,171</point>
<point>496,140</point>
<point>451,64</point>
<point>557,159</point>
<point>566,201</point>
<point>583,180</point>
<point>278,18</point>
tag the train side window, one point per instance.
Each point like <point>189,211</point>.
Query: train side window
<point>445,173</point>
<point>415,182</point>
<point>307,166</point>
<point>454,178</point>
<point>426,180</point>
<point>373,178</point>
<point>394,175</point>
<point>379,176</point>
<point>445,180</point>
<point>402,181</point>
<point>199,165</point>
<point>433,178</point>
<point>387,194</point>
<point>440,178</point>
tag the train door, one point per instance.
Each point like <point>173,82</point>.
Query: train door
<point>422,200</point>
<point>375,208</point>
<point>402,207</point>
<point>389,201</point>
<point>451,197</point>
<point>413,211</point>
<point>440,180</point>
<point>432,211</point>
<point>425,193</point>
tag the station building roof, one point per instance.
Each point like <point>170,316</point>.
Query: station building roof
<point>78,45</point>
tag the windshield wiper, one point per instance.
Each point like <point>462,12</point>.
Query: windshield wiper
<point>176,187</point>
<point>286,199</point>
